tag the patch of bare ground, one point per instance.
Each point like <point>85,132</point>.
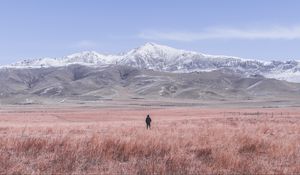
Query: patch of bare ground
<point>181,141</point>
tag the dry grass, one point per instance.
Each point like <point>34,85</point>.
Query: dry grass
<point>188,145</point>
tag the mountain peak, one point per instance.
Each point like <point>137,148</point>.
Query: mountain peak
<point>85,54</point>
<point>153,49</point>
<point>151,44</point>
<point>156,46</point>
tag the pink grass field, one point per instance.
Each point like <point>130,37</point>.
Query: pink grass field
<point>90,140</point>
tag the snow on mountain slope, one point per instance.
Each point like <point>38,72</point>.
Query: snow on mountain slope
<point>36,63</point>
<point>164,58</point>
<point>151,56</point>
<point>88,58</point>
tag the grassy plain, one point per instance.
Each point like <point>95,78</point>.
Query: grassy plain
<point>182,140</point>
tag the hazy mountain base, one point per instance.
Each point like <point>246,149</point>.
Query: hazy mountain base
<point>126,86</point>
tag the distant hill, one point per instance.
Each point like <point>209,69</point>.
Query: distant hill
<point>125,82</point>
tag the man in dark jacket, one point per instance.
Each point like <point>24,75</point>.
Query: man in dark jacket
<point>148,121</point>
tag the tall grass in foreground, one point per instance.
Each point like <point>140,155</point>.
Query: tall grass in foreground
<point>204,146</point>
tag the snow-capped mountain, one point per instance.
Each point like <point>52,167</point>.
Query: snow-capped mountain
<point>168,59</point>
<point>88,58</point>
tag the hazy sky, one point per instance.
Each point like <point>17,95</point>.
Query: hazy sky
<point>262,29</point>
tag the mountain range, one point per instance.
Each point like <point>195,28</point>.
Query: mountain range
<point>150,72</point>
<point>167,59</point>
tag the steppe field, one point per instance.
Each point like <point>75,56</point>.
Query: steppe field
<point>84,139</point>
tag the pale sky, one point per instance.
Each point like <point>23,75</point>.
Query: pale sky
<point>255,29</point>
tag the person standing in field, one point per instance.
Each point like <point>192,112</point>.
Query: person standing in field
<point>148,121</point>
